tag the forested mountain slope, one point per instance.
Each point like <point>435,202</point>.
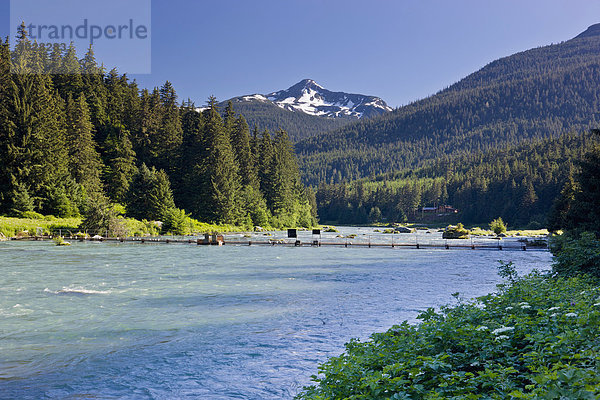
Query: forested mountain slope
<point>538,93</point>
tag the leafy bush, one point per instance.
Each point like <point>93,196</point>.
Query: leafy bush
<point>176,222</point>
<point>538,337</point>
<point>497,226</point>
<point>576,255</point>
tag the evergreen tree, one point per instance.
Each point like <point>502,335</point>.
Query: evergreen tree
<point>150,195</point>
<point>170,135</point>
<point>36,150</point>
<point>219,171</point>
<point>120,163</point>
<point>84,161</point>
<point>240,141</point>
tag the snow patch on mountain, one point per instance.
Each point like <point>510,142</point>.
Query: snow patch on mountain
<point>308,97</point>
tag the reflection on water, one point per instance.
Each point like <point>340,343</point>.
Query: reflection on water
<point>179,321</point>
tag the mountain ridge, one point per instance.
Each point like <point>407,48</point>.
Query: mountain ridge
<point>536,93</point>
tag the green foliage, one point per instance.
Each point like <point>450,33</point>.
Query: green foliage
<point>375,214</point>
<point>150,195</point>
<point>21,201</point>
<point>577,208</point>
<point>102,219</point>
<point>497,226</point>
<point>537,338</point>
<point>72,137</point>
<point>10,226</point>
<point>481,185</point>
<point>176,222</point>
<point>576,254</point>
<point>576,212</point>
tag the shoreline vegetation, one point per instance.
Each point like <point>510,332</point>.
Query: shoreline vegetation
<point>538,336</point>
<point>15,226</point>
<point>31,223</point>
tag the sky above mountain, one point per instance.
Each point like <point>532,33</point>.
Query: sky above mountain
<point>397,50</point>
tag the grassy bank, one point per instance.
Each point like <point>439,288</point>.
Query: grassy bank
<point>12,226</point>
<point>537,337</point>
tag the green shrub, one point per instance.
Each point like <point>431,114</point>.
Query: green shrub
<point>537,338</point>
<point>497,226</point>
<point>176,222</point>
<point>32,215</point>
<point>576,255</point>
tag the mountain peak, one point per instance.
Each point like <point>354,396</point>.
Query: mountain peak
<point>593,30</point>
<point>307,83</point>
<point>309,97</point>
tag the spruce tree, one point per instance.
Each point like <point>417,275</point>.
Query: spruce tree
<point>170,134</point>
<point>84,161</point>
<point>37,156</point>
<point>217,175</point>
<point>94,89</point>
<point>6,141</point>
<point>150,195</point>
<point>119,163</point>
<point>240,142</point>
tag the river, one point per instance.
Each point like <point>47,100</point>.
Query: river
<point>107,320</point>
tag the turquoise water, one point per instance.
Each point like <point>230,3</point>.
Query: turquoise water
<point>100,320</point>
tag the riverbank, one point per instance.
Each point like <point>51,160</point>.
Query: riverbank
<point>12,227</point>
<point>537,337</point>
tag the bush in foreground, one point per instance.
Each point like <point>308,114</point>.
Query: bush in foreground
<point>538,337</point>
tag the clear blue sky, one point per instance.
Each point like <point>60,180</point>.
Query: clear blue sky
<point>398,50</point>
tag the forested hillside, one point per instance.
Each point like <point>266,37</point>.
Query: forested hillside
<point>76,140</point>
<point>540,93</point>
<point>516,182</point>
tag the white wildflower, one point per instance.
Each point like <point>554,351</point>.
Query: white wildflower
<point>525,306</point>
<point>508,308</point>
<point>501,337</point>
<point>503,329</point>
<point>482,328</point>
<point>523,303</point>
<point>553,308</point>
<point>596,304</point>
<point>571,314</point>
<point>554,315</point>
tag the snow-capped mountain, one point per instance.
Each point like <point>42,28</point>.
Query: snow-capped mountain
<point>309,97</point>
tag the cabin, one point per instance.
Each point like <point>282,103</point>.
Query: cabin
<point>439,210</point>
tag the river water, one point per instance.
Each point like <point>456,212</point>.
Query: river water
<point>102,320</point>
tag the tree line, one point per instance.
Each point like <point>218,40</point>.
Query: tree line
<point>516,182</point>
<point>75,140</point>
